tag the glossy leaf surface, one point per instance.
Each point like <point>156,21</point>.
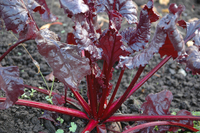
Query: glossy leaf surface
<point>193,60</point>
<point>166,29</point>
<point>68,66</point>
<point>73,7</point>
<point>141,36</point>
<point>111,44</point>
<point>11,84</point>
<point>116,18</point>
<point>125,7</point>
<point>85,37</point>
<point>58,100</point>
<point>156,104</point>
<point>47,15</point>
<point>15,13</point>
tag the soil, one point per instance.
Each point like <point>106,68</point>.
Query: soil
<point>21,119</point>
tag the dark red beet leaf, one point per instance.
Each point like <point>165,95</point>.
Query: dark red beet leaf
<point>86,37</point>
<point>159,104</point>
<point>116,18</point>
<point>47,16</point>
<point>141,35</point>
<point>125,7</point>
<point>58,100</point>
<point>156,104</point>
<point>71,39</point>
<point>72,7</point>
<point>68,66</point>
<point>11,84</point>
<point>193,60</point>
<point>165,28</point>
<point>111,43</point>
<point>16,13</point>
<point>168,49</point>
<point>127,34</point>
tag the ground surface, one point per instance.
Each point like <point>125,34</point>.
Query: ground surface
<point>20,119</point>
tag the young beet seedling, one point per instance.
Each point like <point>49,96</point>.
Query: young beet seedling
<point>131,48</point>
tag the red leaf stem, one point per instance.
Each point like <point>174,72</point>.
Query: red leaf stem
<point>116,105</point>
<point>158,124</point>
<point>12,47</point>
<point>151,73</point>
<point>116,88</point>
<point>92,92</point>
<point>90,126</point>
<point>190,37</point>
<point>50,107</point>
<point>93,96</point>
<point>105,90</point>
<point>83,103</point>
<point>66,88</point>
<point>69,100</point>
<point>132,117</point>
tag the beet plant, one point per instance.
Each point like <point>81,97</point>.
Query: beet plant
<point>75,59</point>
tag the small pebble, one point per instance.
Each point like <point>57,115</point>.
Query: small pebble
<point>181,71</point>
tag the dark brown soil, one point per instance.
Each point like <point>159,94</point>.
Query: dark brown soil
<point>20,119</point>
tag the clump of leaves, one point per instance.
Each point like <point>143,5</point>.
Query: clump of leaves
<point>77,58</point>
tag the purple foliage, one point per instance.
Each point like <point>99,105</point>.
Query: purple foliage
<point>11,84</point>
<point>87,44</point>
<point>67,64</point>
<point>18,17</point>
<point>125,7</point>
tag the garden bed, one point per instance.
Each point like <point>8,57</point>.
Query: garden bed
<point>21,119</point>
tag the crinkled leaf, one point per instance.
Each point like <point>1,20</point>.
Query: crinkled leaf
<point>15,13</point>
<point>29,32</point>
<point>125,7</point>
<point>174,38</point>
<point>165,28</point>
<point>86,38</point>
<point>116,18</point>
<point>157,104</point>
<point>172,31</point>
<point>141,36</point>
<point>145,55</point>
<point>47,15</point>
<point>73,7</point>
<point>11,84</point>
<point>111,44</point>
<point>127,34</point>
<point>193,60</point>
<point>68,66</point>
